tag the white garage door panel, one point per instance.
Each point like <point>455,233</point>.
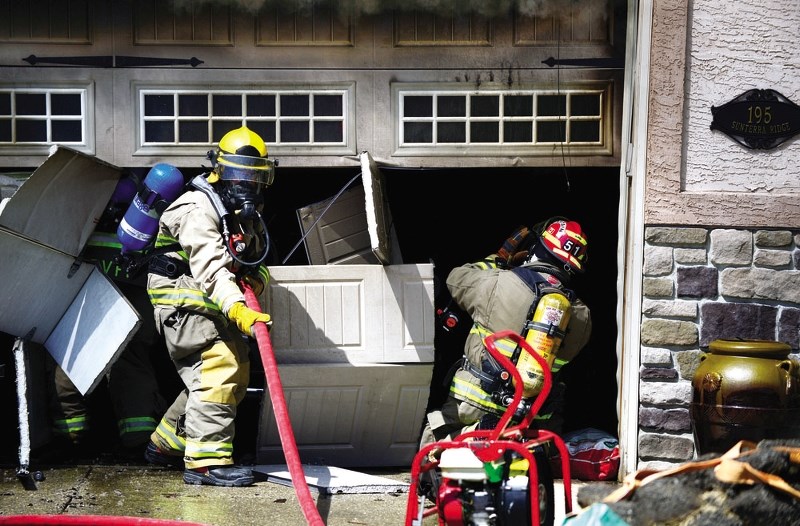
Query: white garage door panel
<point>354,345</point>
<point>352,313</point>
<point>349,415</point>
<point>408,307</point>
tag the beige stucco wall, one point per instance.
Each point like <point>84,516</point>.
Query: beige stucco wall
<point>759,50</point>
<point>706,58</point>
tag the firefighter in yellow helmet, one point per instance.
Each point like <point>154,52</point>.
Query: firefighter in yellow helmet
<point>209,239</point>
<point>499,293</point>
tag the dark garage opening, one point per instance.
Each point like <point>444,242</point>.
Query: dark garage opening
<point>452,216</point>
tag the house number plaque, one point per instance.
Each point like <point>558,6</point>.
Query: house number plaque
<point>760,119</point>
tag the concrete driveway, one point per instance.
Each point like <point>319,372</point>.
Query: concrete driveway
<point>156,493</point>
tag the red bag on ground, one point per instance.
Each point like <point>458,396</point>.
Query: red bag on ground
<point>593,454</point>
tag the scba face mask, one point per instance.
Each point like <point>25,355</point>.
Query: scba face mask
<point>244,180</point>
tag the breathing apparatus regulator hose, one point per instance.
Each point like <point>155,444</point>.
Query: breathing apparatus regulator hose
<point>226,234</point>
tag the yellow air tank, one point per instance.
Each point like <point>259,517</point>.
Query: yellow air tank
<point>545,333</point>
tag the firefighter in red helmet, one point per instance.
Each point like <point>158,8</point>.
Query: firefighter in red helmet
<point>499,293</point>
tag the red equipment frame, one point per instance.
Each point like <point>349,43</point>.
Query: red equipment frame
<point>490,445</point>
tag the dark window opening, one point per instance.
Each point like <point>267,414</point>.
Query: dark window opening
<point>518,105</point>
<point>65,104</point>
<point>328,105</point>
<point>294,106</point>
<point>158,106</point>
<point>66,131</point>
<point>328,131</point>
<point>584,131</point>
<point>294,132</point>
<point>31,103</point>
<point>484,106</point>
<point>518,131</point>
<point>451,106</point>
<point>226,105</point>
<point>550,131</point>
<point>192,131</point>
<point>452,132</point>
<point>31,131</point>
<point>421,132</point>
<point>261,105</point>
<point>192,105</point>
<point>418,106</point>
<point>551,105</point>
<point>485,132</point>
<point>159,132</point>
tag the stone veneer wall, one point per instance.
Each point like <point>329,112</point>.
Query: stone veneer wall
<point>700,285</point>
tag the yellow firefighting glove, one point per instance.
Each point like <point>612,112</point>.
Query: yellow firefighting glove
<point>509,249</point>
<point>245,317</point>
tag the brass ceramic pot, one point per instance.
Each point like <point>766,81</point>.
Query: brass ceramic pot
<point>744,390</point>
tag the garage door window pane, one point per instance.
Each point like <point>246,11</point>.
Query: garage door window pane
<point>31,104</point>
<point>328,105</point>
<point>485,106</point>
<point>294,105</point>
<point>550,132</point>
<point>518,131</point>
<point>452,132</point>
<point>518,105</point>
<point>585,131</point>
<point>294,131</point>
<point>227,105</point>
<point>551,105</point>
<point>325,131</point>
<point>192,105</point>
<point>448,106</point>
<point>31,131</point>
<point>43,116</point>
<point>66,104</point>
<point>261,105</point>
<point>159,106</point>
<point>418,106</point>
<point>421,132</point>
<point>5,104</point>
<point>588,105</point>
<point>485,132</point>
<point>193,131</point>
<point>66,131</point>
<point>159,132</point>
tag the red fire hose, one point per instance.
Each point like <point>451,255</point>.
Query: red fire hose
<point>281,412</point>
<point>88,520</point>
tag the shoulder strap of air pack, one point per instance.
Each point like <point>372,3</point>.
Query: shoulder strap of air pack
<point>199,182</point>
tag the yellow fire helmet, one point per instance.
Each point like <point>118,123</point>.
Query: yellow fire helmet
<point>242,157</point>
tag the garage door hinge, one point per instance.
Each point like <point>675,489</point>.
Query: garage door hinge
<point>112,61</point>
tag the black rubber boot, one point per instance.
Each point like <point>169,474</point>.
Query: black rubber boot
<point>219,476</point>
<point>154,455</point>
<point>429,483</point>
